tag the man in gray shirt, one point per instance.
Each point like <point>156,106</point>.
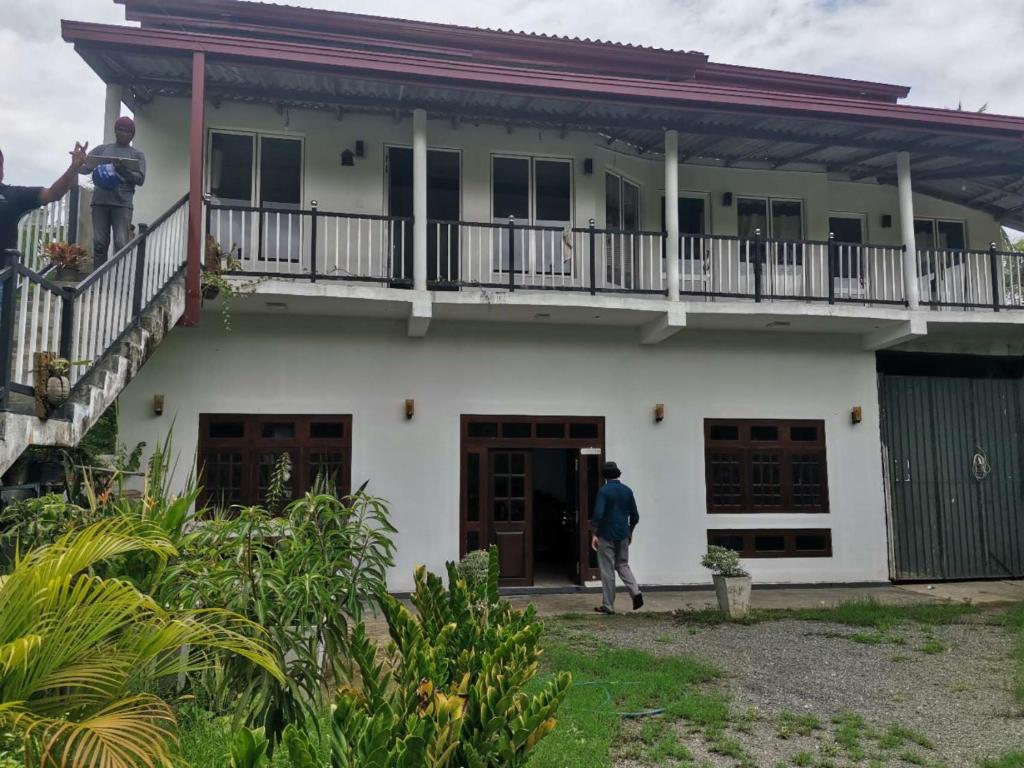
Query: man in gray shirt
<point>112,208</point>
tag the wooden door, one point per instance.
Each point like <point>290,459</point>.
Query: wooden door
<point>510,499</point>
<point>589,483</point>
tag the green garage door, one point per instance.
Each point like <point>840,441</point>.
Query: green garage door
<point>952,453</point>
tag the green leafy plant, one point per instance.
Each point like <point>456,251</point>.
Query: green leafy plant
<point>474,568</point>
<point>217,261</point>
<point>280,486</point>
<point>451,688</point>
<point>722,561</point>
<point>305,577</point>
<point>249,749</point>
<point>77,651</point>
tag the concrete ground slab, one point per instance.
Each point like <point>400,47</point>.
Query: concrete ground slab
<point>775,598</point>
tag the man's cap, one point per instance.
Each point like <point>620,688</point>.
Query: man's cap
<point>124,122</point>
<point>611,470</point>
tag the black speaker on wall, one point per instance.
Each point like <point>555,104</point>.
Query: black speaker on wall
<point>727,199</point>
<point>886,220</point>
<point>588,166</point>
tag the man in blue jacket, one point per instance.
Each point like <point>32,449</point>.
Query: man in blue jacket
<point>615,517</point>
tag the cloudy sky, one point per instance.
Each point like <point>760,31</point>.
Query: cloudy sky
<point>949,51</point>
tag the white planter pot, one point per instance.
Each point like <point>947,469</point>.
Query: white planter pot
<point>733,595</point>
<point>57,390</point>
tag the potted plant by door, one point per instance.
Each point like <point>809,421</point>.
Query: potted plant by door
<point>732,583</point>
<point>58,382</point>
<point>68,258</point>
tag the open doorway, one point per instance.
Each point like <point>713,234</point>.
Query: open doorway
<point>555,537</point>
<point>528,484</point>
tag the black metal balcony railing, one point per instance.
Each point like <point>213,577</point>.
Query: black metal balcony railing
<point>953,279</point>
<point>328,245</point>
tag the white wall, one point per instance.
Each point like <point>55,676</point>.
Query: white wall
<point>163,135</point>
<point>367,368</point>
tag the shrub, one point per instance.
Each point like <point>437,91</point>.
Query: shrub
<point>451,688</point>
<point>723,562</point>
<point>473,569</point>
<point>77,651</point>
<point>304,577</point>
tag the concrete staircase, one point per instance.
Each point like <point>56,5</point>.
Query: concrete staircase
<point>95,392</point>
<point>114,319</point>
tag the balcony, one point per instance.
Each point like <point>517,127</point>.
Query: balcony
<point>318,245</point>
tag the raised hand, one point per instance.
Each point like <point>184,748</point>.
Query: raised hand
<point>79,154</point>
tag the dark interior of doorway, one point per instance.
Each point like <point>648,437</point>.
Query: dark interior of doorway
<point>555,532</point>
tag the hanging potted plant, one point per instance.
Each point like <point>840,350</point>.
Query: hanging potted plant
<point>216,262</point>
<point>732,582</point>
<point>58,381</point>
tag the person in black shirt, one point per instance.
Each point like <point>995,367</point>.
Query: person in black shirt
<point>15,202</point>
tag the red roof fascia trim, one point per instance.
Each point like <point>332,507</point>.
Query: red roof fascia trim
<point>474,73</point>
<point>732,73</point>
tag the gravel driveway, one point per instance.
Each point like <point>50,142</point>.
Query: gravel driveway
<point>949,683</point>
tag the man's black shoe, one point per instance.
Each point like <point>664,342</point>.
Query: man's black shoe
<point>604,610</point>
<point>638,602</point>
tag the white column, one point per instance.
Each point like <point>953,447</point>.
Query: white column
<point>906,195</point>
<point>672,212</point>
<point>111,111</point>
<point>419,199</point>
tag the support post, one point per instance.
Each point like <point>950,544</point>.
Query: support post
<point>74,203</point>
<point>196,134</point>
<point>905,191</point>
<point>760,256</point>
<point>67,324</point>
<point>511,252</point>
<point>312,244</point>
<point>419,199</point>
<point>996,268</point>
<point>111,111</point>
<point>593,259</point>
<point>8,260</point>
<point>140,271</point>
<point>672,212</point>
<point>832,267</point>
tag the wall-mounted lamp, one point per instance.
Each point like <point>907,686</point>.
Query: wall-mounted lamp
<point>347,158</point>
<point>886,220</point>
<point>410,408</point>
<point>659,413</point>
<point>856,415</point>
<point>360,149</point>
<point>158,405</point>
<point>727,199</point>
<point>588,166</point>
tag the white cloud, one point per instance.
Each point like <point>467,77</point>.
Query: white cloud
<point>947,51</point>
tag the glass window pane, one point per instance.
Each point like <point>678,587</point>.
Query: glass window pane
<point>803,434</point>
<point>553,185</point>
<point>630,206</point>
<point>691,215</point>
<point>550,430</point>
<point>787,220</point>
<point>751,215</point>
<point>227,429</point>
<point>515,429</point>
<point>280,172</point>
<point>764,433</point>
<point>846,229</point>
<point>473,488</point>
<point>731,541</point>
<point>511,188</point>
<point>482,429</point>
<point>951,235</point>
<point>924,233</point>
<point>612,201</point>
<point>769,543</point>
<point>583,431</point>
<point>324,430</point>
<point>279,429</point>
<point>231,167</point>
<point>725,432</point>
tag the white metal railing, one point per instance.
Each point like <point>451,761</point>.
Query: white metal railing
<point>955,279</point>
<point>721,267</point>
<point>54,222</point>
<point>311,242</point>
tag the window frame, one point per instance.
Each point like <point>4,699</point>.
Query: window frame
<point>531,201</point>
<point>933,222</point>
<point>745,447</point>
<point>750,535</point>
<point>796,257</point>
<point>252,443</point>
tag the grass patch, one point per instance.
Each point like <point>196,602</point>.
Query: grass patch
<point>609,682</point>
<point>1014,621</point>
<point>912,757</point>
<point>1013,759</point>
<point>897,736</point>
<point>933,646</point>
<point>801,759</point>
<point>791,724</point>
<point>875,638</point>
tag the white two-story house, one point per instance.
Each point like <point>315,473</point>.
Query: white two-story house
<point>471,292</point>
